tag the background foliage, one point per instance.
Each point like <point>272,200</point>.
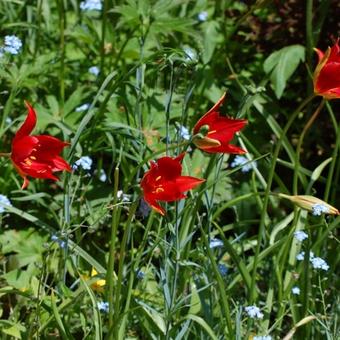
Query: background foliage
<point>162,67</point>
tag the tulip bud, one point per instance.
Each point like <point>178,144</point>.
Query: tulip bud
<point>312,204</point>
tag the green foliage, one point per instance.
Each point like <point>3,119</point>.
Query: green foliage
<point>83,257</point>
<point>282,64</point>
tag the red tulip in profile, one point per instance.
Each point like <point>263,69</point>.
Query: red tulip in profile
<point>213,132</point>
<point>327,73</point>
<point>163,182</point>
<point>36,156</point>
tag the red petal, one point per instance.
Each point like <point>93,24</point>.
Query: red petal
<point>185,183</point>
<point>29,123</point>
<point>51,144</point>
<point>169,168</point>
<point>329,78</point>
<point>229,148</point>
<point>26,182</point>
<point>60,164</point>
<point>154,205</point>
<point>208,119</point>
<point>210,116</point>
<point>23,148</point>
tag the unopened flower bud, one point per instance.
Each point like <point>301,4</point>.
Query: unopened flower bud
<point>312,204</point>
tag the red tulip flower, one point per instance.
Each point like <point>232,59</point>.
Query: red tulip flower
<point>214,132</point>
<point>327,73</point>
<point>36,156</point>
<point>163,182</point>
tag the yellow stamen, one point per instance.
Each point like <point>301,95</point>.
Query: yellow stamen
<point>32,157</point>
<point>158,190</point>
<point>27,162</point>
<point>158,178</point>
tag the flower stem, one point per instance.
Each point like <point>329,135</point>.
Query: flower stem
<point>5,154</point>
<point>299,145</point>
<point>114,227</point>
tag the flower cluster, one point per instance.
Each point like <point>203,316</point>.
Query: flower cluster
<point>244,162</point>
<point>254,312</point>
<point>84,163</point>
<point>91,5</point>
<point>12,45</point>
<point>103,306</point>
<point>300,235</point>
<point>316,262</point>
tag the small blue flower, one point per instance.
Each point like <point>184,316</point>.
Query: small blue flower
<point>4,202</point>
<point>84,162</point>
<point>202,16</point>
<point>140,275</point>
<point>319,263</point>
<point>318,209</point>
<point>184,132</point>
<point>8,120</point>
<point>300,235</point>
<point>12,44</point>
<point>241,160</point>
<point>83,107</point>
<point>296,290</point>
<point>262,337</point>
<point>91,5</point>
<point>103,306</point>
<point>215,243</point>
<point>300,256</point>
<point>222,269</point>
<point>94,70</point>
<point>62,243</point>
<point>254,312</point>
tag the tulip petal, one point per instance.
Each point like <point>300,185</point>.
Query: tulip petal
<point>23,148</point>
<point>51,144</point>
<point>329,77</point>
<point>29,123</point>
<point>154,205</point>
<point>229,148</point>
<point>185,183</point>
<point>169,168</point>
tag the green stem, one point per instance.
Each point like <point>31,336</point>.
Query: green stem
<point>102,44</point>
<point>114,228</point>
<point>299,145</point>
<point>267,194</point>
<point>309,46</point>
<point>332,166</point>
<point>122,254</point>
<point>61,10</point>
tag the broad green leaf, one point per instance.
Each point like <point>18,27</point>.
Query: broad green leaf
<point>282,64</point>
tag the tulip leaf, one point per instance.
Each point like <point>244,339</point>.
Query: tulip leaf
<point>281,65</point>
